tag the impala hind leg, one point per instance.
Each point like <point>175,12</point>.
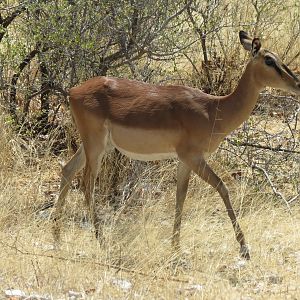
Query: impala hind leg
<point>75,164</point>
<point>200,167</point>
<point>94,149</point>
<point>183,176</point>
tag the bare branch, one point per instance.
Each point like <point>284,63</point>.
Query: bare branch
<point>275,149</point>
<point>8,20</point>
<point>175,15</point>
<point>277,194</point>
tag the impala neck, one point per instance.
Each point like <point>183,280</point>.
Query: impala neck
<point>235,108</point>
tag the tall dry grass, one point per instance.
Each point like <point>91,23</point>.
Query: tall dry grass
<point>137,261</point>
<point>138,230</point>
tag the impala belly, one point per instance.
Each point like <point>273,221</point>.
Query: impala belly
<point>143,144</point>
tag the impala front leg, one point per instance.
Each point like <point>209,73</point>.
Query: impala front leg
<point>200,167</point>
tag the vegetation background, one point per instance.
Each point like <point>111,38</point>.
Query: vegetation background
<point>48,46</point>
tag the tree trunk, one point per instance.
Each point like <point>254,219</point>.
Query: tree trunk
<point>45,92</point>
<point>12,106</point>
<point>4,23</point>
<point>205,58</point>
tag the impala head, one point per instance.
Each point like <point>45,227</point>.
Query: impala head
<point>268,69</point>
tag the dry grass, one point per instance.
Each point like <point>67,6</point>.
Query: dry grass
<point>138,248</point>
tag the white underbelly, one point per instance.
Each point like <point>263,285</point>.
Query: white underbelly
<point>148,156</point>
<point>141,144</point>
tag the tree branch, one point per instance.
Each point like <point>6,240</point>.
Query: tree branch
<point>274,149</point>
<point>8,20</point>
<point>15,78</point>
<point>278,194</point>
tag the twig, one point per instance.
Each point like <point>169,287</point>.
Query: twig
<point>289,98</point>
<point>93,262</point>
<point>274,149</point>
<point>293,199</point>
<point>55,88</point>
<point>192,63</point>
<point>278,194</point>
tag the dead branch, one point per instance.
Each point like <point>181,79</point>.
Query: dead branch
<point>277,194</point>
<point>274,149</point>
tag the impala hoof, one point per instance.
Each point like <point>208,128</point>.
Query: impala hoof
<point>244,251</point>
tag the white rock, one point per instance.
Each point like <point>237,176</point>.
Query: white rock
<point>81,254</point>
<point>191,289</point>
<point>14,293</point>
<point>44,214</point>
<point>46,247</point>
<point>197,287</point>
<point>73,295</point>
<point>239,264</point>
<point>122,284</point>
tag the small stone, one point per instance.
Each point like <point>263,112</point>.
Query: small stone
<point>196,287</point>
<point>239,264</point>
<point>122,284</point>
<point>72,295</point>
<point>18,294</point>
<point>191,290</point>
<point>45,247</point>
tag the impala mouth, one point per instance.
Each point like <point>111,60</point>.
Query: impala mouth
<point>296,83</point>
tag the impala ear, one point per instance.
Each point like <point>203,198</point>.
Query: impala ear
<point>245,40</point>
<point>256,45</point>
<point>249,44</point>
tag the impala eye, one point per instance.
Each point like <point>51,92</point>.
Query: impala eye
<point>269,61</point>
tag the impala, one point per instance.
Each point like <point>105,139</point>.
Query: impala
<point>152,122</point>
